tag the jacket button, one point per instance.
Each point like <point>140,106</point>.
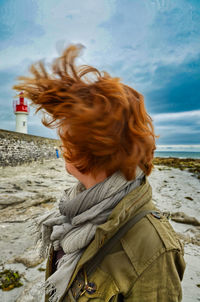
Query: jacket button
<point>91,288</point>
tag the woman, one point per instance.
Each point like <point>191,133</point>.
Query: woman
<point>108,143</point>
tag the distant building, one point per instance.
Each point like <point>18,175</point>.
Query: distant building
<point>21,111</point>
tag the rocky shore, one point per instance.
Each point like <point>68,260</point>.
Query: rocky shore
<point>188,164</point>
<point>28,191</point>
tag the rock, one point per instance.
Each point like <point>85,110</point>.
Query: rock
<point>38,182</point>
<point>30,258</point>
<point>37,199</point>
<point>17,187</point>
<point>194,233</point>
<point>19,214</point>
<point>181,217</point>
<point>187,239</point>
<point>32,291</point>
<point>41,199</point>
<point>7,200</point>
<point>189,198</point>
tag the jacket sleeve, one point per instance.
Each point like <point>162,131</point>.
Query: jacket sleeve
<point>161,282</point>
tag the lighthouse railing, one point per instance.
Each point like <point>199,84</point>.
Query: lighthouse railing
<point>17,103</point>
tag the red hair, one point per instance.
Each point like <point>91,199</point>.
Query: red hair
<point>102,123</point>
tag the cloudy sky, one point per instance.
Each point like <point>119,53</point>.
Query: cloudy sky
<point>152,45</point>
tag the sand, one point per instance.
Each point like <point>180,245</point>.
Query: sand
<point>30,190</point>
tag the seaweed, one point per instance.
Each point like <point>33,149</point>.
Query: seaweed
<point>189,164</point>
<point>9,279</point>
<point>41,269</point>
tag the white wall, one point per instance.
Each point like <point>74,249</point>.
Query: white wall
<point>21,122</point>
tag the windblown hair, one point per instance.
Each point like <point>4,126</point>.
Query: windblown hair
<point>102,123</point>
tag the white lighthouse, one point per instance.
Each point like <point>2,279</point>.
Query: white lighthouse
<point>21,112</point>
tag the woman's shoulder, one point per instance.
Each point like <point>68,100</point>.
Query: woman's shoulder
<point>151,236</point>
<point>148,239</point>
<point>151,254</point>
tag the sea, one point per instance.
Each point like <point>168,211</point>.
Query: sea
<point>179,154</point>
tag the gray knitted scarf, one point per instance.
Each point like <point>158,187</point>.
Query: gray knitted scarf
<point>72,227</point>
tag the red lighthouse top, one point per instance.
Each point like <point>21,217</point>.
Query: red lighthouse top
<point>20,105</point>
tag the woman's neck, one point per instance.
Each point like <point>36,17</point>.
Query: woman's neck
<point>88,180</point>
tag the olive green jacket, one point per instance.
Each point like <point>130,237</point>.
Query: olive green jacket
<point>146,265</point>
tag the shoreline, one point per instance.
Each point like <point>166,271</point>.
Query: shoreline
<point>191,165</point>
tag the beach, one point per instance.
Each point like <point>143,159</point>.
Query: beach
<point>28,191</point>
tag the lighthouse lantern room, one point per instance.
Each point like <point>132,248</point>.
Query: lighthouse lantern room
<point>21,111</point>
